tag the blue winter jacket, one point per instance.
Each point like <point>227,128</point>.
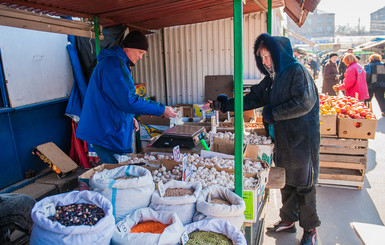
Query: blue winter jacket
<point>111,103</point>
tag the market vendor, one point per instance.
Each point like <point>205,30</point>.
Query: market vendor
<point>290,103</point>
<point>107,119</point>
<point>15,214</point>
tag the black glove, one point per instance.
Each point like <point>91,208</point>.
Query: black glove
<point>267,114</point>
<point>220,103</point>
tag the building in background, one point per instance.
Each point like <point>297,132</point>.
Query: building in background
<point>319,27</point>
<point>377,22</point>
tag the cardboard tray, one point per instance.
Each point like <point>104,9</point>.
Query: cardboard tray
<point>328,124</point>
<point>56,159</point>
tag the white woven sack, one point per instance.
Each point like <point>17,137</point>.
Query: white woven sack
<point>125,195</point>
<point>232,213</point>
<point>183,206</point>
<point>170,236</point>
<point>218,226</point>
<point>45,231</point>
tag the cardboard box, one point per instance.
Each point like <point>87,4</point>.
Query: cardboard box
<point>56,159</point>
<point>186,109</point>
<point>260,152</point>
<point>356,128</point>
<point>157,120</point>
<point>147,131</point>
<point>141,89</point>
<point>328,124</point>
<point>252,199</point>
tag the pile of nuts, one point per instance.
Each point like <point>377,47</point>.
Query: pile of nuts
<point>252,139</point>
<point>78,214</point>
<point>177,192</point>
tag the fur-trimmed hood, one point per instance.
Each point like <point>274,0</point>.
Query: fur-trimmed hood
<point>280,50</point>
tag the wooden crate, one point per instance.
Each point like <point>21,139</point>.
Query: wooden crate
<point>343,162</point>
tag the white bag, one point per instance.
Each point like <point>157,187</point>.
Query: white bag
<point>170,236</point>
<point>183,206</point>
<point>45,231</point>
<point>234,213</point>
<point>125,195</point>
<point>218,226</point>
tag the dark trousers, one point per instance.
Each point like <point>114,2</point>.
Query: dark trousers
<point>299,203</point>
<point>379,93</point>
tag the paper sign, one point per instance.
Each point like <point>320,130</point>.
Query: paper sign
<point>123,227</point>
<point>161,189</point>
<point>176,153</point>
<point>49,209</point>
<point>184,238</point>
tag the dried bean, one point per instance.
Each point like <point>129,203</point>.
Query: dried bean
<point>208,238</point>
<point>78,214</point>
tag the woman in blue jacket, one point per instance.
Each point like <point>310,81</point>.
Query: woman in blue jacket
<point>107,119</point>
<point>291,114</point>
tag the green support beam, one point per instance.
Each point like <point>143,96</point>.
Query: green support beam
<point>97,40</point>
<point>238,90</point>
<point>269,16</point>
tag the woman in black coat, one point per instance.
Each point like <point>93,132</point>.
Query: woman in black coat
<point>291,110</point>
<point>330,75</point>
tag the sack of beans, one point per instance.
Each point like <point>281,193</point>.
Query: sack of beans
<point>219,202</point>
<point>214,231</point>
<point>147,227</point>
<point>127,187</point>
<point>180,197</point>
<point>77,217</point>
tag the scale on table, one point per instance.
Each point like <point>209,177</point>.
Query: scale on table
<point>184,136</point>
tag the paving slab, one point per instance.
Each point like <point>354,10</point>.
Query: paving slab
<point>68,183</point>
<point>37,190</point>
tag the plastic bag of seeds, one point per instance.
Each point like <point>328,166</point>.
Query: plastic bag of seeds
<point>219,226</point>
<point>171,234</point>
<point>219,202</point>
<point>180,197</point>
<point>127,187</point>
<point>47,231</point>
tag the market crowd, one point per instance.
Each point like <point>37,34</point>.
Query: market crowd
<point>344,73</point>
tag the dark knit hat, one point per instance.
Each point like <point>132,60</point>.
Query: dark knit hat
<point>135,39</point>
<point>332,54</point>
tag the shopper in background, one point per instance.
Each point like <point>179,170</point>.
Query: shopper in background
<point>15,214</point>
<point>290,103</point>
<point>375,79</point>
<point>342,66</point>
<point>107,119</point>
<point>354,82</point>
<point>313,65</point>
<point>330,75</point>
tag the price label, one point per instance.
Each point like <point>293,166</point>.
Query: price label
<point>184,238</point>
<point>161,189</point>
<point>123,227</point>
<point>49,209</point>
<point>176,153</point>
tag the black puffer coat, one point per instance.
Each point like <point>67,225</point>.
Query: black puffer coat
<point>295,101</point>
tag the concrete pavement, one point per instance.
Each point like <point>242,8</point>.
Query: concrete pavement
<point>338,207</point>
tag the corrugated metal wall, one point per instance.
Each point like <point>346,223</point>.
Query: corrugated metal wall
<point>194,51</point>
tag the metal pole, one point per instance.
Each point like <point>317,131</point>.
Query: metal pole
<point>269,14</point>
<point>97,40</point>
<point>238,91</point>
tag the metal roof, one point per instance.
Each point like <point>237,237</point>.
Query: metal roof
<point>157,14</point>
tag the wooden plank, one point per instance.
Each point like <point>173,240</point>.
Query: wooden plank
<point>343,150</point>
<point>276,178</point>
<point>344,165</point>
<point>341,174</point>
<point>344,142</point>
<point>342,158</point>
<point>341,183</point>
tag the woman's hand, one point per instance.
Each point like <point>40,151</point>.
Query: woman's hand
<point>136,125</point>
